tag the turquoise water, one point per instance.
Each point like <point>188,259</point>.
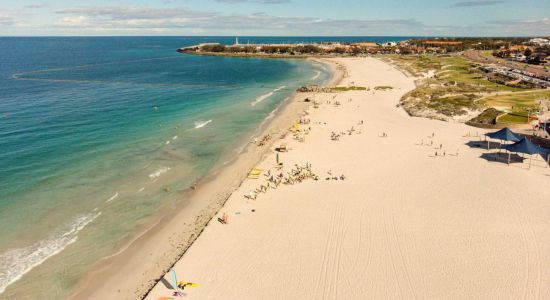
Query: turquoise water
<point>94,130</point>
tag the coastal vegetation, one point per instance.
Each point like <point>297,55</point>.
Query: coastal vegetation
<point>329,89</point>
<point>348,88</point>
<point>452,87</point>
<point>487,117</point>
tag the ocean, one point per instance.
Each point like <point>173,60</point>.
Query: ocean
<point>99,133</point>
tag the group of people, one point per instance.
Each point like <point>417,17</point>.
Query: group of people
<point>299,174</point>
<point>336,136</point>
<point>295,175</point>
<point>336,102</point>
<point>263,141</point>
<point>332,177</point>
<point>304,121</point>
<point>439,151</point>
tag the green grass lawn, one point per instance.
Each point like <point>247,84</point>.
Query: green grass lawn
<point>517,101</point>
<point>518,118</point>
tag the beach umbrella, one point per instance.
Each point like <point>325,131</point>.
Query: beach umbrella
<point>174,279</point>
<point>505,134</point>
<point>527,147</point>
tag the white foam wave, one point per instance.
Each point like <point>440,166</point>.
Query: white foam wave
<point>112,198</point>
<point>270,116</point>
<point>16,262</point>
<point>265,96</point>
<point>159,172</point>
<point>317,74</point>
<point>201,124</point>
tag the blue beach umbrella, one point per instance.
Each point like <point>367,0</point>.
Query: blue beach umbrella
<point>505,134</point>
<point>527,147</point>
<point>174,279</point>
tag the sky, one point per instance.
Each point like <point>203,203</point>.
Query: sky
<point>275,17</point>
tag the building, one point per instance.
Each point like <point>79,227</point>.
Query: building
<point>441,43</point>
<point>365,45</point>
<point>539,42</point>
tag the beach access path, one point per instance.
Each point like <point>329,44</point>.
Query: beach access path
<point>404,224</point>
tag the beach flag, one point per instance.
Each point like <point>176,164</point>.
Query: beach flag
<point>174,279</point>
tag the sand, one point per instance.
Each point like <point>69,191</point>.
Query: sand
<point>141,259</point>
<point>403,224</point>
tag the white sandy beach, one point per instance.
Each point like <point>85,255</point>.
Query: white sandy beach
<point>404,224</point>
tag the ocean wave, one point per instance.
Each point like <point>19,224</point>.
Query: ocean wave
<point>270,115</point>
<point>201,124</point>
<point>15,263</point>
<point>265,96</point>
<point>159,172</point>
<point>112,198</point>
<point>317,74</point>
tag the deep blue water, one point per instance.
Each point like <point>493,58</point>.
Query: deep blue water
<point>93,130</point>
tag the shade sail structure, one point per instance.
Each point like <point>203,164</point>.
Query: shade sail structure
<point>505,134</point>
<point>527,147</point>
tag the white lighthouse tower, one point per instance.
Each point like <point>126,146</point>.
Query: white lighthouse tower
<point>236,41</point>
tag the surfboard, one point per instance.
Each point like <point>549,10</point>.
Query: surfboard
<point>190,284</point>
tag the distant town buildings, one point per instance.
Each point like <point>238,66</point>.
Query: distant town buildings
<point>531,51</point>
<point>539,42</point>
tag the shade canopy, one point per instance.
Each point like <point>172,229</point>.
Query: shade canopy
<point>527,147</point>
<point>504,134</point>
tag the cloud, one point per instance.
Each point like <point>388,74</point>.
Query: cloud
<point>476,3</point>
<point>10,18</point>
<point>122,20</point>
<point>37,5</point>
<point>146,18</point>
<point>78,21</point>
<point>525,27</point>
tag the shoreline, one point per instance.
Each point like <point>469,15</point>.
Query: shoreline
<point>417,215</point>
<point>192,214</point>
